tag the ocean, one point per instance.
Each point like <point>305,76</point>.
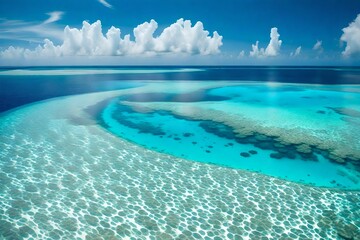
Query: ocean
<point>15,91</point>
<point>180,152</point>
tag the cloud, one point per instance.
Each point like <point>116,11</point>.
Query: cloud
<point>54,16</point>
<point>297,52</point>
<point>242,54</point>
<point>34,31</point>
<point>351,36</point>
<point>105,3</point>
<point>271,50</point>
<point>274,45</point>
<point>318,46</point>
<point>256,52</point>
<point>180,37</point>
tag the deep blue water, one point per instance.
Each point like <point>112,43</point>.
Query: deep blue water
<point>19,90</point>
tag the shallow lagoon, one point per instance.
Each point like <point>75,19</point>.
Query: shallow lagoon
<point>64,173</point>
<point>307,111</point>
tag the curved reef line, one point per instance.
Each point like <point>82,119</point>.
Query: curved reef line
<point>60,179</point>
<point>341,148</point>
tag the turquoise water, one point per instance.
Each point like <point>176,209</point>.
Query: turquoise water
<point>116,159</point>
<point>275,106</point>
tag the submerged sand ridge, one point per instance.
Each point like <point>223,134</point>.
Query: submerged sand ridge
<point>340,149</point>
<point>335,137</point>
<point>61,178</point>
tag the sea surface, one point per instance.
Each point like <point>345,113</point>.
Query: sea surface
<point>21,86</point>
<point>180,152</point>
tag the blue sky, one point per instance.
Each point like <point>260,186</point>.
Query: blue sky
<point>240,24</point>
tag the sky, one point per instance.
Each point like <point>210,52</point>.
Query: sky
<point>172,32</point>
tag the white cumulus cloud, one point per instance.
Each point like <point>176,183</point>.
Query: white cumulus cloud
<point>256,52</point>
<point>105,3</point>
<point>351,36</point>
<point>180,37</point>
<point>274,45</point>
<point>296,53</point>
<point>54,16</point>
<point>241,54</point>
<point>318,46</point>
<point>271,50</point>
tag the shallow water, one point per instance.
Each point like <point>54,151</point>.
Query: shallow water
<point>282,107</point>
<point>66,173</point>
<point>71,180</point>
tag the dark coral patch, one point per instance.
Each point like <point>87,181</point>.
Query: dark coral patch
<point>245,154</point>
<point>218,129</point>
<point>264,145</point>
<point>188,134</point>
<point>290,154</point>
<point>276,155</point>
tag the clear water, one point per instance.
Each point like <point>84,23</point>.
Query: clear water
<point>83,165</point>
<point>279,107</point>
<point>327,112</point>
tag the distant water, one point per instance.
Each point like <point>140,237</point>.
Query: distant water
<point>19,86</point>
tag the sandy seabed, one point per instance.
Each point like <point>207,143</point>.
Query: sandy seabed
<point>64,177</point>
